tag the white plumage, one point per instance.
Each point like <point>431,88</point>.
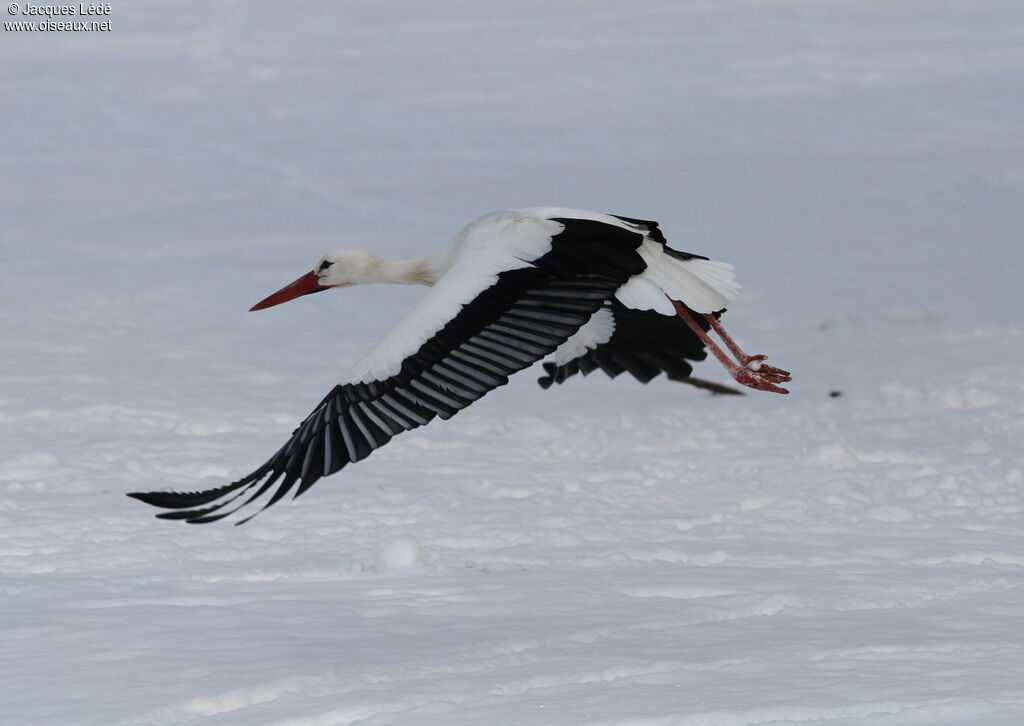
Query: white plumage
<point>471,262</point>
<point>595,332</point>
<point>464,268</point>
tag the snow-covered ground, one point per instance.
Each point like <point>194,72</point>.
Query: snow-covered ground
<point>600,553</point>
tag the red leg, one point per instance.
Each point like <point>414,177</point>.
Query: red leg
<point>684,313</point>
<point>749,371</point>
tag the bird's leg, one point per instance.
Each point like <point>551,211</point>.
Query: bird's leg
<point>754,362</point>
<point>749,371</point>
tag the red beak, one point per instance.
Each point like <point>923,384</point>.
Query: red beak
<point>305,285</point>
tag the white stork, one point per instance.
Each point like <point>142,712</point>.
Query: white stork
<point>598,291</point>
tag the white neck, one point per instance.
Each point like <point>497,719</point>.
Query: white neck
<point>412,271</point>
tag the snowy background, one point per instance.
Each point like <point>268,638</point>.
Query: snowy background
<point>601,553</point>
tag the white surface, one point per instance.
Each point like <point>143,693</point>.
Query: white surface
<point>599,553</point>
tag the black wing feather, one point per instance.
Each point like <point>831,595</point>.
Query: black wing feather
<point>525,316</point>
<point>645,343</point>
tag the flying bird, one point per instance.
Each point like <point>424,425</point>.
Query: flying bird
<point>596,290</point>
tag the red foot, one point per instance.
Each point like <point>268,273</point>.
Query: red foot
<point>748,370</point>
<point>756,379</point>
<point>756,364</point>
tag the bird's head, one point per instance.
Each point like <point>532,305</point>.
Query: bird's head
<point>338,269</point>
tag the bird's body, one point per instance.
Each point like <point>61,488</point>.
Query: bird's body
<point>596,290</point>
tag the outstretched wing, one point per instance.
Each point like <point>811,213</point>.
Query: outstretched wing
<point>506,321</point>
<point>619,339</point>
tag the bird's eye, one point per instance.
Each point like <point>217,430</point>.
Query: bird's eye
<point>324,265</point>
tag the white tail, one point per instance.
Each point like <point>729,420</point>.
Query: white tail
<point>705,286</point>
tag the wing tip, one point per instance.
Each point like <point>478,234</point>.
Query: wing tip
<point>164,500</point>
